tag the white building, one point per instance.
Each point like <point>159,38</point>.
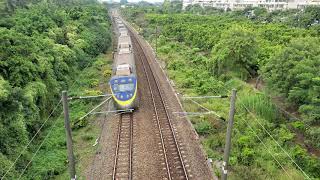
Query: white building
<point>241,4</point>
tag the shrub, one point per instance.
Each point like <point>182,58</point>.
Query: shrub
<point>203,127</point>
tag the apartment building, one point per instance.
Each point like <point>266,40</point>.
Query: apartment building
<point>270,5</point>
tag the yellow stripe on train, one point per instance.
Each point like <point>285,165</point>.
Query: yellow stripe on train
<point>127,102</point>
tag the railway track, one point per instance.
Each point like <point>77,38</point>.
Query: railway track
<point>123,158</point>
<point>171,155</point>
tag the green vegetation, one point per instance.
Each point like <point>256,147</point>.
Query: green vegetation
<point>212,53</point>
<point>51,161</point>
<point>46,47</point>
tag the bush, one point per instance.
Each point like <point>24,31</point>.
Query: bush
<point>203,127</point>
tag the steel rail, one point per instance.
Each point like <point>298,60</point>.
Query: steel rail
<point>157,116</point>
<point>131,146</point>
<point>156,112</point>
<point>116,157</point>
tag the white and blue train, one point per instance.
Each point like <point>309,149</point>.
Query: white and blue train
<point>123,82</point>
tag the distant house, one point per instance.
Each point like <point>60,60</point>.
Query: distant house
<point>270,5</point>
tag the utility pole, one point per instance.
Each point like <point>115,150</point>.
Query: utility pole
<point>156,40</point>
<point>228,135</point>
<point>68,135</point>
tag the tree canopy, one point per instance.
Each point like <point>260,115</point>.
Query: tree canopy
<point>43,45</point>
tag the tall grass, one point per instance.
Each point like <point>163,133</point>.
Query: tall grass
<point>260,105</point>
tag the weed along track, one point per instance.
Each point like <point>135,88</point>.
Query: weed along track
<point>169,151</point>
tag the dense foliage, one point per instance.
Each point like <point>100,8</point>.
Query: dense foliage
<point>210,54</point>
<point>42,49</point>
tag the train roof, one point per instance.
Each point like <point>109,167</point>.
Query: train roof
<point>125,48</point>
<point>123,29</point>
<point>121,25</point>
<point>124,70</point>
<point>124,39</point>
<point>124,33</point>
<point>125,58</point>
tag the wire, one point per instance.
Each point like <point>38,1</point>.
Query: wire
<point>268,150</point>
<point>38,131</point>
<point>261,140</point>
<point>212,112</point>
<point>203,97</point>
<point>52,127</point>
<point>25,148</point>
<point>256,119</point>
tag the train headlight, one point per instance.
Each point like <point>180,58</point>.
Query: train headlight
<point>121,97</point>
<point>130,80</point>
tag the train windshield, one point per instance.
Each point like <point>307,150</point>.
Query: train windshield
<point>124,87</point>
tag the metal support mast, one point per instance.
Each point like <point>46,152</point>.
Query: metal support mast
<point>68,135</point>
<point>228,135</point>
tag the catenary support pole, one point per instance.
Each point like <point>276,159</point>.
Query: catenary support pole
<point>68,135</point>
<point>156,40</point>
<point>228,135</point>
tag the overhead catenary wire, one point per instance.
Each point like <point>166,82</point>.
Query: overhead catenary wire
<point>33,137</point>
<point>96,107</point>
<point>288,113</point>
<point>25,148</point>
<point>269,134</point>
<point>52,127</point>
<point>278,162</point>
<point>212,112</point>
<point>89,97</point>
<point>204,97</point>
<point>268,150</point>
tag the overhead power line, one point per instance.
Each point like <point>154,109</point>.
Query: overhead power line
<point>212,112</point>
<point>287,154</point>
<point>269,134</point>
<point>52,127</point>
<point>268,150</point>
<point>26,147</point>
<point>204,97</point>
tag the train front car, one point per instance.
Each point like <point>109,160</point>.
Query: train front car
<point>124,90</point>
<point>124,81</point>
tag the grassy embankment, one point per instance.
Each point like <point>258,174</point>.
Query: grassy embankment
<point>261,136</point>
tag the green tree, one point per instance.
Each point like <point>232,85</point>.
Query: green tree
<point>294,72</point>
<point>175,6</point>
<point>235,52</point>
<point>42,48</point>
<point>195,9</point>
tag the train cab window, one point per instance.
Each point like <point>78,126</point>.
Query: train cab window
<point>126,87</point>
<point>123,87</point>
